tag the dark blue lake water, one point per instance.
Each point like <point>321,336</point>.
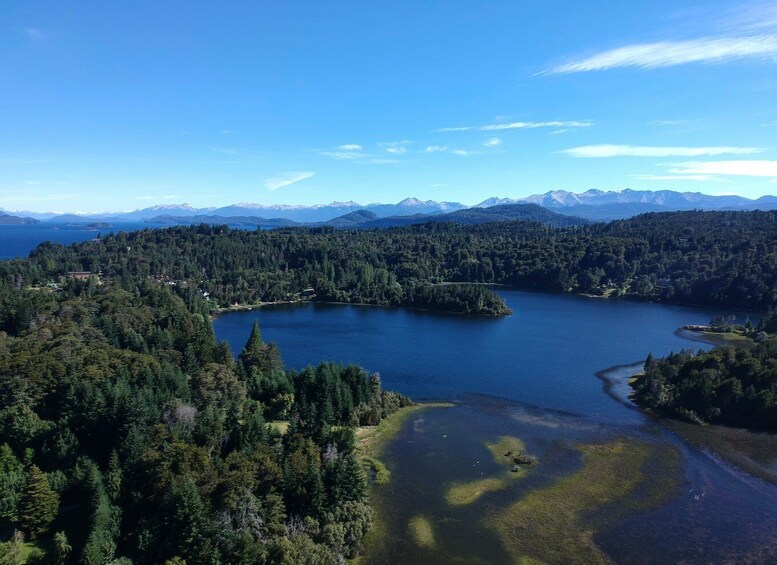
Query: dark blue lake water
<point>522,376</point>
<point>546,354</point>
<point>18,241</point>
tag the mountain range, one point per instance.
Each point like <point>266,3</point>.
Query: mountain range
<point>366,219</point>
<point>595,205</point>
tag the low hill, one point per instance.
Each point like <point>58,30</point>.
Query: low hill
<point>9,220</point>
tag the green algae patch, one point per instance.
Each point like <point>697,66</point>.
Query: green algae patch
<point>550,525</point>
<point>460,494</point>
<point>422,531</point>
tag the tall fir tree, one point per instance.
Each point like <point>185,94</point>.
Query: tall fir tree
<point>39,503</point>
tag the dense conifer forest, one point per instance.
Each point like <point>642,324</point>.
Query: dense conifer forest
<point>128,433</point>
<point>710,258</point>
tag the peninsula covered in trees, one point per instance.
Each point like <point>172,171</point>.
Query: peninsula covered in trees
<point>129,435</point>
<point>732,386</point>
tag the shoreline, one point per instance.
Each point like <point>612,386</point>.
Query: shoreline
<point>216,312</point>
<point>753,453</point>
<point>498,286</point>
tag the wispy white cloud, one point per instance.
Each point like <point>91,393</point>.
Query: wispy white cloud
<point>716,49</point>
<point>285,179</point>
<point>598,151</point>
<point>697,178</point>
<point>492,142</point>
<point>558,131</point>
<point>396,147</point>
<point>436,148</point>
<point>748,168</point>
<point>520,125</point>
<point>355,152</point>
<point>668,122</point>
<point>227,150</point>
<point>347,152</point>
<point>461,152</point>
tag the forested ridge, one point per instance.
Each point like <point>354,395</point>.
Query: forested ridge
<point>129,435</point>
<point>710,258</point>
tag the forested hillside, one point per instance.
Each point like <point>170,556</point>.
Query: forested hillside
<point>711,258</point>
<point>127,432</point>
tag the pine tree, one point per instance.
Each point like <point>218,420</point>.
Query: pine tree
<point>39,503</point>
<point>252,352</point>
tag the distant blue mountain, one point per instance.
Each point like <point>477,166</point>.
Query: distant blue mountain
<point>597,205</point>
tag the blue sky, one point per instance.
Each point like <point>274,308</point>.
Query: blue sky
<point>121,105</point>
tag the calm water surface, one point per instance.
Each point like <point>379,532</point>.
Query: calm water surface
<point>18,241</point>
<point>546,354</point>
<point>531,375</point>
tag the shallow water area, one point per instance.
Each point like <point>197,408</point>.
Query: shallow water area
<point>609,482</point>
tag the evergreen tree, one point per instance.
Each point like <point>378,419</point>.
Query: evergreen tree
<point>39,503</point>
<point>252,352</point>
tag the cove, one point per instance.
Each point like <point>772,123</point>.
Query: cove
<point>545,354</point>
<point>610,484</point>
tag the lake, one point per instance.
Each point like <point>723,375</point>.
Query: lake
<point>17,241</point>
<point>531,378</point>
<point>546,354</point>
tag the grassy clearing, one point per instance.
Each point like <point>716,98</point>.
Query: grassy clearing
<point>29,551</point>
<point>460,494</point>
<point>548,524</point>
<point>421,529</point>
<point>279,426</point>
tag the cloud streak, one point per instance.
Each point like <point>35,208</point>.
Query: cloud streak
<point>520,125</point>
<point>285,179</point>
<point>396,147</point>
<point>601,151</point>
<point>697,178</point>
<point>747,168</point>
<point>671,53</point>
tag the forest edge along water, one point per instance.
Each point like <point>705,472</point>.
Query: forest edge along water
<point>611,481</point>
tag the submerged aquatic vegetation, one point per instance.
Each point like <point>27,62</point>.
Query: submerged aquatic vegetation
<point>460,494</point>
<point>422,531</point>
<point>553,523</point>
<point>507,451</point>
